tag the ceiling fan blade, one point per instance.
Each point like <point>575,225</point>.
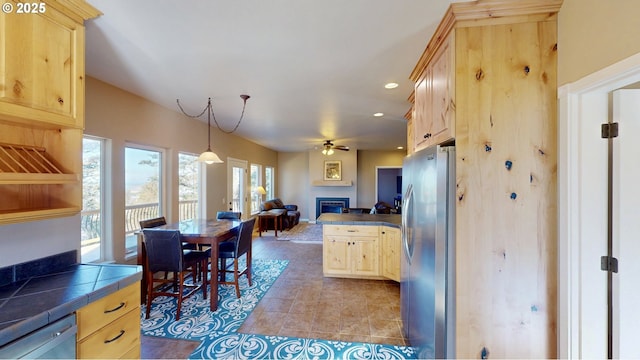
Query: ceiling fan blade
<point>341,147</point>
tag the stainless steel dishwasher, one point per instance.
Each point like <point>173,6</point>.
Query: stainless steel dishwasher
<point>54,341</point>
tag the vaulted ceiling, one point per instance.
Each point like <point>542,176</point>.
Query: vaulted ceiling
<point>315,69</point>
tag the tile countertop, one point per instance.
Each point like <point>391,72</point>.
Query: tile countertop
<point>29,304</point>
<point>393,220</point>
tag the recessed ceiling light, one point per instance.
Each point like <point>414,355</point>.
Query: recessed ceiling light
<point>400,147</point>
<point>391,85</point>
<point>378,114</point>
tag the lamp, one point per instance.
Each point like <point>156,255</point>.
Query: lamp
<point>209,157</point>
<point>260,191</point>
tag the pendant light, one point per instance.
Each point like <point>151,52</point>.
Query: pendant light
<point>209,157</point>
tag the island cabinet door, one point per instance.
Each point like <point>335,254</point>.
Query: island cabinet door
<point>364,255</point>
<point>335,253</point>
<point>390,248</point>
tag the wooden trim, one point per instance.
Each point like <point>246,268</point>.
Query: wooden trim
<point>78,10</point>
<point>482,13</point>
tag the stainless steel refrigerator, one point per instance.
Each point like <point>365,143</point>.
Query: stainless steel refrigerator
<point>427,269</point>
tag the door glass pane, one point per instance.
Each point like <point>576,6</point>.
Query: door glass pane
<point>256,180</point>
<point>142,191</point>
<point>237,182</point>
<point>189,186</point>
<point>92,194</point>
<point>268,182</point>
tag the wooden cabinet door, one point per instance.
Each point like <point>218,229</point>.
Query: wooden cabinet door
<point>364,256</point>
<point>42,77</point>
<point>422,120</point>
<point>335,253</point>
<point>434,114</point>
<point>442,94</point>
<point>390,247</point>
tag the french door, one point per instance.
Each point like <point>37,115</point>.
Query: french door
<point>237,185</point>
<point>625,284</point>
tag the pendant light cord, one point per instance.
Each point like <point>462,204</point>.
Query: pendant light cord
<point>210,113</point>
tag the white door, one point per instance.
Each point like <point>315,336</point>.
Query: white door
<point>626,224</point>
<point>237,185</point>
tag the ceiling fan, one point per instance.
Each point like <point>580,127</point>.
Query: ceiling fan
<point>328,147</point>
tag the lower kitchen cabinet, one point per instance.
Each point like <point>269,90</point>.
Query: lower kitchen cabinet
<point>357,251</point>
<point>390,252</point>
<point>110,327</point>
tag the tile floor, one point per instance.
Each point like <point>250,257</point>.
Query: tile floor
<point>303,303</point>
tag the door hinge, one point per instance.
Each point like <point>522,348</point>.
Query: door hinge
<point>609,130</point>
<point>609,263</point>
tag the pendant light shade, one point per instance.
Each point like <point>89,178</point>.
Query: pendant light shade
<point>209,157</point>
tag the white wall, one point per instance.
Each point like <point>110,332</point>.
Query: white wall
<point>37,239</point>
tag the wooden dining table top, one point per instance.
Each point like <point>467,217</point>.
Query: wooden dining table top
<point>205,229</point>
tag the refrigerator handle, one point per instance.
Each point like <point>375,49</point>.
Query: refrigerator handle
<point>406,202</point>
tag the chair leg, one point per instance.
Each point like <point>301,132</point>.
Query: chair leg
<point>181,290</point>
<point>204,266</point>
<point>149,277</point>
<point>222,273</point>
<point>248,258</point>
<point>236,275</point>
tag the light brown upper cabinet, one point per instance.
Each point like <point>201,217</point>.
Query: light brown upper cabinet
<point>42,109</point>
<point>434,100</point>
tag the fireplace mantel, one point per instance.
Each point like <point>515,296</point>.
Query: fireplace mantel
<point>331,183</point>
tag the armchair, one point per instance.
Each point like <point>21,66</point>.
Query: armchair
<point>291,215</point>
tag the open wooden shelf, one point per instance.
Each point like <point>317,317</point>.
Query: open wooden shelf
<point>21,215</point>
<point>331,183</point>
<point>24,164</point>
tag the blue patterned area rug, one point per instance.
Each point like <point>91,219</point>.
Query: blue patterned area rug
<point>218,334</point>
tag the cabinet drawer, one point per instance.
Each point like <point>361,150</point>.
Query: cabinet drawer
<point>101,312</point>
<point>114,340</point>
<point>351,230</point>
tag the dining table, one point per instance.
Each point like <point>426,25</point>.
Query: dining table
<point>207,232</point>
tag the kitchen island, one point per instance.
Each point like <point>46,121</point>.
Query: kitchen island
<point>363,246</point>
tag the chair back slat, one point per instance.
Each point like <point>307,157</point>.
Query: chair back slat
<point>151,223</point>
<point>164,250</point>
<point>232,215</point>
<point>245,231</point>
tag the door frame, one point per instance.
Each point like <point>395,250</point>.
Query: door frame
<point>582,207</point>
<point>381,167</point>
<point>244,164</point>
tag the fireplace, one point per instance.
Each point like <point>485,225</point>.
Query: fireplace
<point>330,205</point>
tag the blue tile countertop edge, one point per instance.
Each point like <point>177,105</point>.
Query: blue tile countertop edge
<point>33,302</point>
<point>393,220</point>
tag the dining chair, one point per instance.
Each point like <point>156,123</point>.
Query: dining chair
<point>232,215</point>
<point>234,249</point>
<point>165,252</point>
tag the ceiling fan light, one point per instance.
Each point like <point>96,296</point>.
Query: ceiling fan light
<point>209,157</point>
<point>330,152</point>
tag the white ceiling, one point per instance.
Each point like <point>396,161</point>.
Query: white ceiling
<point>315,69</point>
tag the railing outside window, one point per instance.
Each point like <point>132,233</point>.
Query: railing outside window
<point>90,221</point>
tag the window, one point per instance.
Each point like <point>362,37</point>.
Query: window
<point>189,186</point>
<point>92,242</point>
<point>269,173</point>
<point>144,189</point>
<point>256,180</point>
